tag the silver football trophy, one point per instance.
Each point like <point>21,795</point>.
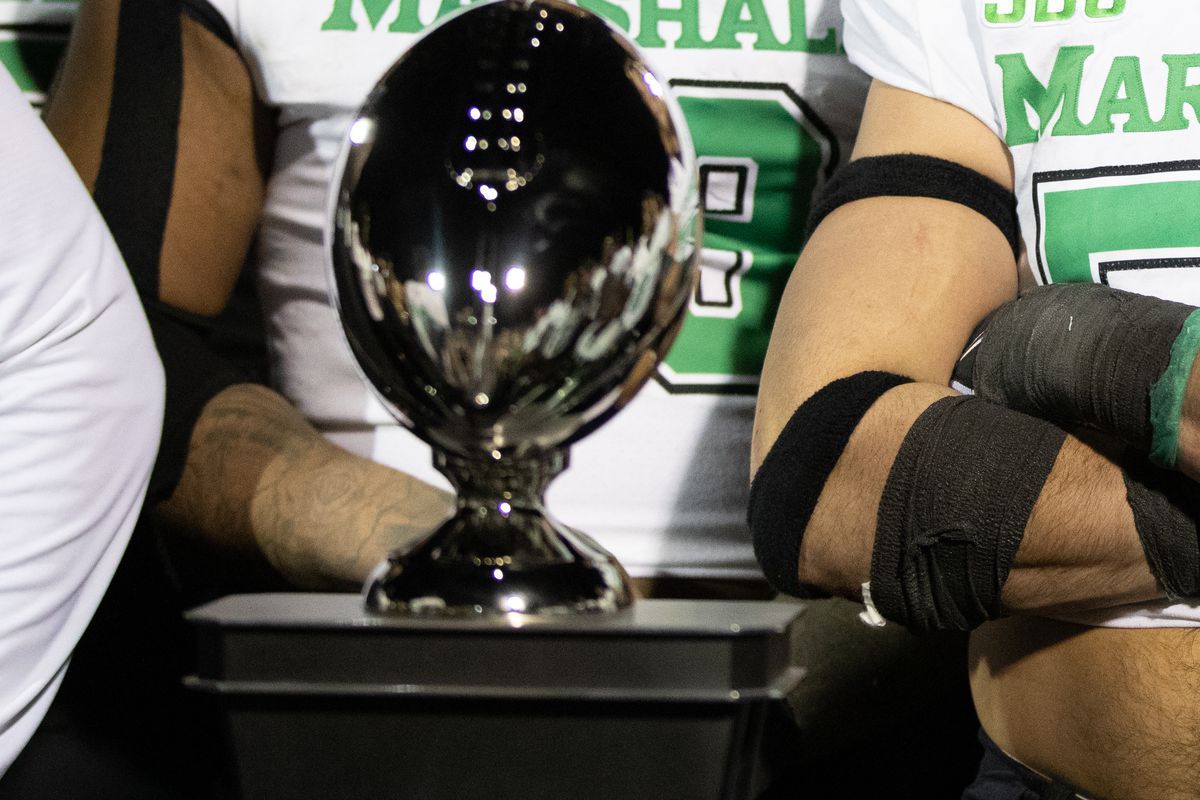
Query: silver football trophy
<point>514,247</point>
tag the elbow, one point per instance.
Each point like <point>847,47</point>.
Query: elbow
<point>795,564</point>
<point>777,536</point>
<point>792,477</point>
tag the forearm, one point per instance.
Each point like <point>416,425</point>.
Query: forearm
<point>1080,547</point>
<point>262,486</point>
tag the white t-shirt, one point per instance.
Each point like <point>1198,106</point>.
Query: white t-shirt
<point>81,394</point>
<point>773,107</point>
<point>1098,102</point>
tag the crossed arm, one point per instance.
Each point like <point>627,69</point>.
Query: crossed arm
<point>261,489</point>
<point>898,284</point>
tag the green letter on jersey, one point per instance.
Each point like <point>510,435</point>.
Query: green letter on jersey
<point>1179,92</point>
<point>1095,223</point>
<point>1110,8</point>
<point>745,16</point>
<point>1124,93</point>
<point>992,14</point>
<point>1044,14</point>
<point>687,15</point>
<point>1023,92</point>
<point>751,16</point>
<point>341,18</point>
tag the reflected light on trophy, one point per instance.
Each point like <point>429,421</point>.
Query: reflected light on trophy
<point>514,245</point>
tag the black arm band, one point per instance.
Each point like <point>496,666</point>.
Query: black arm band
<point>789,482</point>
<point>137,162</point>
<point>954,511</point>
<point>920,176</point>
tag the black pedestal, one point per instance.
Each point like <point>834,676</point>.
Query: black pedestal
<point>664,700</point>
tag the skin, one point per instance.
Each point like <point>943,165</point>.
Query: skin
<point>898,284</point>
<point>263,495</point>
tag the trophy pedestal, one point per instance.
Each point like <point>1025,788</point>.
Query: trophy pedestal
<point>665,699</point>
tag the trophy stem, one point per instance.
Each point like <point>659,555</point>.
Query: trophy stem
<point>501,552</point>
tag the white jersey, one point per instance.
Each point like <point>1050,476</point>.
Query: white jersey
<point>772,104</point>
<point>81,394</point>
<point>1098,102</point>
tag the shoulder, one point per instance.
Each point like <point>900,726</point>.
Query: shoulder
<point>931,49</point>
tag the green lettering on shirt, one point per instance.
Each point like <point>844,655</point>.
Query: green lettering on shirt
<point>1180,93</point>
<point>742,23</point>
<point>1122,99</point>
<point>993,15</point>
<point>687,16</point>
<point>1024,92</point>
<point>744,16</point>
<point>342,19</point>
<point>1123,93</point>
<point>1043,13</point>
<point>1047,11</point>
<point>1104,9</point>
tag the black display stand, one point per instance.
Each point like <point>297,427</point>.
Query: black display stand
<point>664,700</point>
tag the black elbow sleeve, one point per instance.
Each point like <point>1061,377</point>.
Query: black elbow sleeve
<point>786,488</point>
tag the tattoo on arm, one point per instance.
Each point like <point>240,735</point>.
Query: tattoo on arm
<point>263,486</point>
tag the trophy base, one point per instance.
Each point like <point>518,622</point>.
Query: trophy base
<point>528,565</point>
<point>669,699</point>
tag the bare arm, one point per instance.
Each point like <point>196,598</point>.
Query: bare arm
<point>897,284</point>
<point>261,487</point>
<point>290,499</point>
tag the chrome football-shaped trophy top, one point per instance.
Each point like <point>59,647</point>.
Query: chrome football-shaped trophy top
<point>514,246</point>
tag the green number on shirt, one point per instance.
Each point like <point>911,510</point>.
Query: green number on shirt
<point>763,153</point>
<point>1135,228</point>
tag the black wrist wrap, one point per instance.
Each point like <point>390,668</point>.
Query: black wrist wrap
<point>789,482</point>
<point>1165,505</point>
<point>954,510</point>
<point>909,175</point>
<point>1080,354</point>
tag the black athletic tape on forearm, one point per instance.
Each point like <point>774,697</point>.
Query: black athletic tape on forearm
<point>909,175</point>
<point>1080,354</point>
<point>954,511</point>
<point>789,482</point>
<point>1165,506</point>
<point>137,162</point>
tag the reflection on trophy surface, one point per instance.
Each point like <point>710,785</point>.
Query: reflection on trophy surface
<point>514,246</point>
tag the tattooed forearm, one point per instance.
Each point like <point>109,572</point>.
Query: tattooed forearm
<point>262,485</point>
